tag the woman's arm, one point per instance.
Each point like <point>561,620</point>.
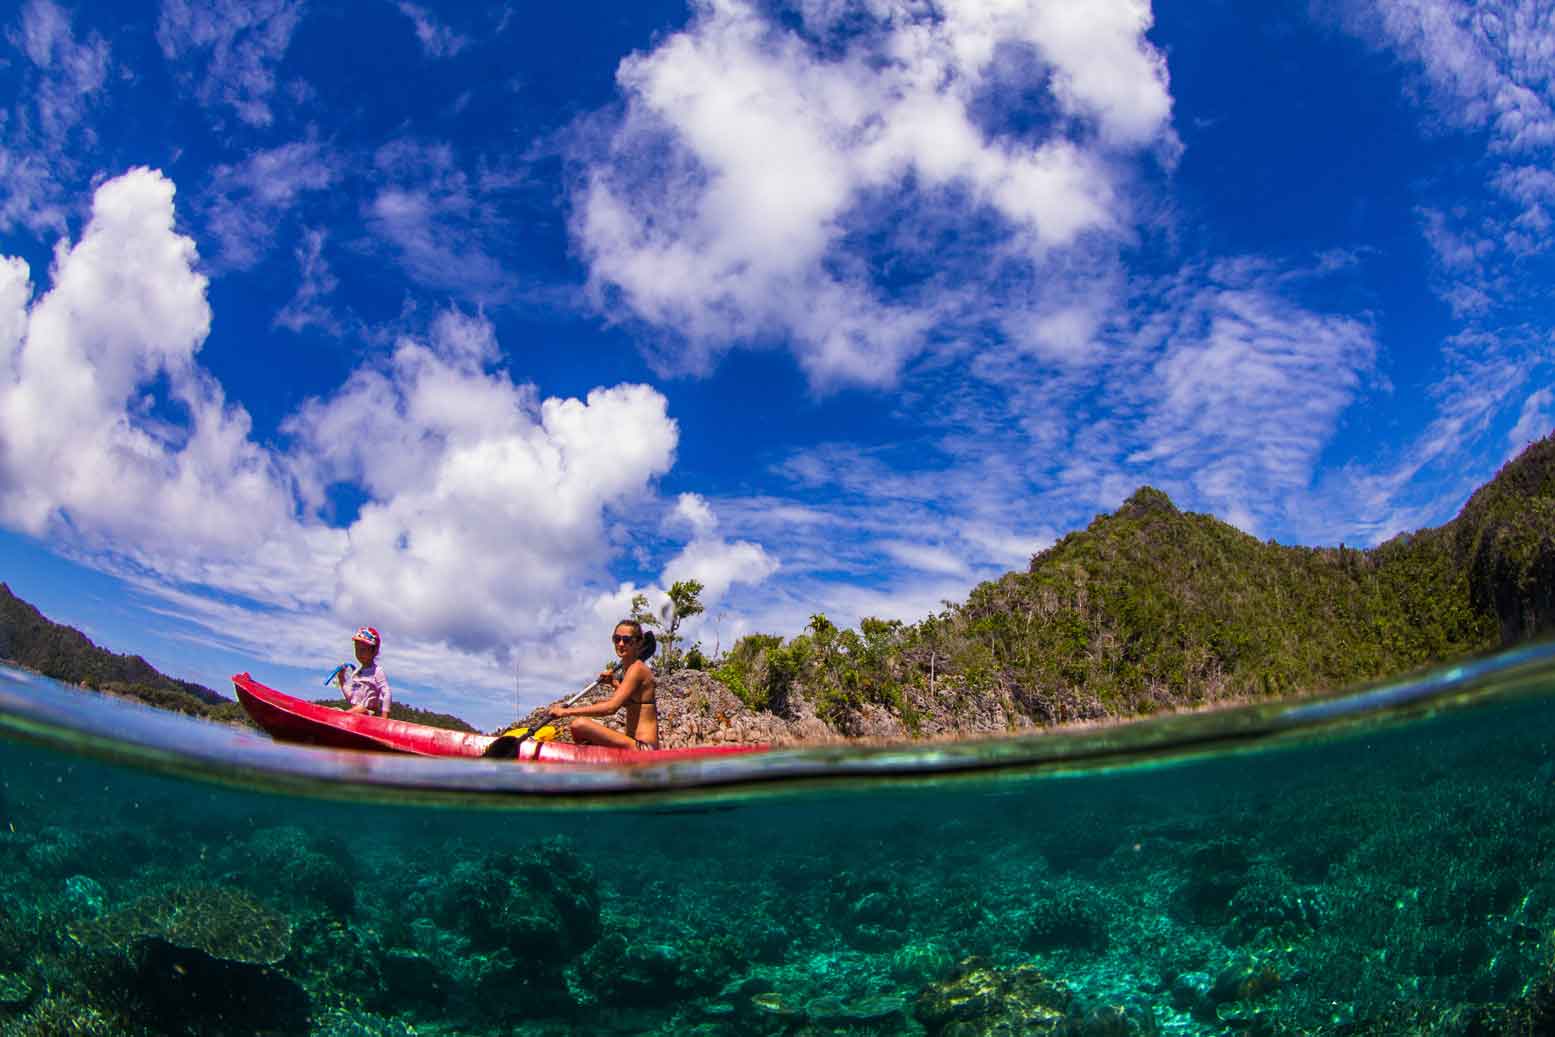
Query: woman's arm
<point>623,694</point>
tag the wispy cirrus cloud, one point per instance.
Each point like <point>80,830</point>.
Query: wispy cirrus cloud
<point>61,77</point>
<point>1487,65</point>
<point>1487,68</point>
<point>442,222</point>
<point>1245,390</point>
<point>1486,72</point>
<point>1227,401</point>
<point>247,201</point>
<point>1535,421</point>
<point>307,307</point>
<point>1435,470</point>
<point>228,51</point>
<point>438,40</point>
<point>73,70</point>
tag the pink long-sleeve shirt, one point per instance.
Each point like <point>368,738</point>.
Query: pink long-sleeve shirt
<point>369,686</point>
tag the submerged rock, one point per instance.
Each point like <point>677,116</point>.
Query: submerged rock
<point>339,1023</point>
<point>412,978</point>
<point>874,1010</point>
<point>1245,981</point>
<point>58,852</point>
<point>1114,1020</point>
<point>1191,993</point>
<point>1270,900</point>
<point>304,866</point>
<point>183,990</point>
<point>622,971</point>
<point>1217,872</point>
<point>1067,916</point>
<point>541,904</point>
<point>981,999</point>
<point>874,912</point>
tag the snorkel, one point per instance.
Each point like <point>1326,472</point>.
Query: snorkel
<point>337,671</point>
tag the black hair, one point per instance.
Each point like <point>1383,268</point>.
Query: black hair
<point>650,643</point>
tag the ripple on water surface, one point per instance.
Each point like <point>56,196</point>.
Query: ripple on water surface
<point>1368,864</point>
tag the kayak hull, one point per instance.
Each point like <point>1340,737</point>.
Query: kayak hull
<point>289,719</point>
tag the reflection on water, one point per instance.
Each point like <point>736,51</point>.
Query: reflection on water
<point>1381,879</point>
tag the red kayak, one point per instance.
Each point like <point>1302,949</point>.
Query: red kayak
<point>288,719</point>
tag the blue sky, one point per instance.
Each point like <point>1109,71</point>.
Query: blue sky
<point>471,322</point>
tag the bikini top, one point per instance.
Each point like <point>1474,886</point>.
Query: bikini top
<point>646,698</point>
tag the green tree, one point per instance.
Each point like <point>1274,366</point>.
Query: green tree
<point>685,601</point>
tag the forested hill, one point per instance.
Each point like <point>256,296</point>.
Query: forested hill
<point>64,653</point>
<point>1151,607</point>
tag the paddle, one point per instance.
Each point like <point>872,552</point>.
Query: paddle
<point>505,747</point>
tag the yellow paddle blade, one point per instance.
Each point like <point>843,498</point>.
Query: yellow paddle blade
<point>548,733</point>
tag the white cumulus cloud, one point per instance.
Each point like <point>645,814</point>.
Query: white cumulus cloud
<point>109,430</point>
<point>693,510</point>
<point>489,516</point>
<point>719,564</point>
<point>725,202</point>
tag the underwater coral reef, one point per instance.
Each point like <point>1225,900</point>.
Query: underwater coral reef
<point>1385,881</point>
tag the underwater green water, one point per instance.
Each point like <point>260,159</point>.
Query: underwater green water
<point>1389,874</point>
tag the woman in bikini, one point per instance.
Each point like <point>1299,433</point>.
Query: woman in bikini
<point>633,680</point>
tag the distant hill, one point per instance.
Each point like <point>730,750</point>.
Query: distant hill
<point>30,640</point>
<point>1152,608</point>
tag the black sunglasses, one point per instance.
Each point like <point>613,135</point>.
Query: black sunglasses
<point>628,639</point>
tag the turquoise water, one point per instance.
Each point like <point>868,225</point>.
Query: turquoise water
<point>1369,864</point>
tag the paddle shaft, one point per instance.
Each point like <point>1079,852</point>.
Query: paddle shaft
<point>519,740</point>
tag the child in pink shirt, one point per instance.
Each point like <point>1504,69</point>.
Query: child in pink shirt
<point>367,689</point>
